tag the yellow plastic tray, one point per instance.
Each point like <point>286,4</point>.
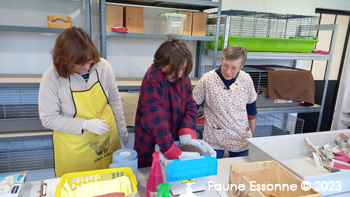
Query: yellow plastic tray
<point>76,179</point>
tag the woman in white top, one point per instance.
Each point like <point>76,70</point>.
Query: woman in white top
<point>229,100</point>
<point>79,100</point>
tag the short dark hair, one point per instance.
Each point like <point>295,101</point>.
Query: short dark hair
<point>73,47</point>
<point>235,52</point>
<point>175,53</point>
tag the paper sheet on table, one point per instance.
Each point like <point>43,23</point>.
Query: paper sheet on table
<point>48,187</point>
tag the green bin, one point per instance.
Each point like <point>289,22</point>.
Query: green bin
<point>254,44</point>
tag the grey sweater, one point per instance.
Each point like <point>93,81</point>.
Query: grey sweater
<point>56,105</point>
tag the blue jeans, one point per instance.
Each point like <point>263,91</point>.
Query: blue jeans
<point>220,153</point>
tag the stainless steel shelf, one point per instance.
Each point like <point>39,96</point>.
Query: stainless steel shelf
<point>277,56</point>
<point>30,29</point>
<point>159,36</point>
<point>298,109</point>
<point>183,4</point>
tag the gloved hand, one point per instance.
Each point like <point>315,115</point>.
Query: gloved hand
<point>124,137</point>
<point>189,155</point>
<point>96,126</point>
<point>188,136</point>
<point>174,152</point>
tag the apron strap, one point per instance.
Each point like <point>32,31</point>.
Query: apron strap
<point>71,93</point>
<point>98,79</point>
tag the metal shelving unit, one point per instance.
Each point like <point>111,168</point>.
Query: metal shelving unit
<point>285,56</point>
<point>30,29</point>
<point>182,4</point>
<point>276,56</point>
<point>199,5</point>
<point>159,36</point>
<point>27,86</point>
<point>298,109</point>
<point>51,30</point>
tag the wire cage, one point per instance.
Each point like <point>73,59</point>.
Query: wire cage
<point>272,125</point>
<point>19,103</point>
<point>32,154</point>
<point>264,25</point>
<point>258,76</point>
<point>278,124</point>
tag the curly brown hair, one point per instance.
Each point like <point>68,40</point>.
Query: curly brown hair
<point>73,47</point>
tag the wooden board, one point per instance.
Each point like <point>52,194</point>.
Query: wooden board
<point>129,102</point>
<point>133,19</point>
<point>213,21</point>
<point>188,23</point>
<point>199,23</point>
<point>114,16</point>
<point>249,193</point>
<point>267,172</point>
<point>52,18</point>
<point>36,78</point>
<point>59,25</point>
<point>52,22</point>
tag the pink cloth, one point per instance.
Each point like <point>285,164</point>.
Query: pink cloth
<point>342,157</point>
<point>340,165</point>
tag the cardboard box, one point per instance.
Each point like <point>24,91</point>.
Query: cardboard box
<point>199,23</point>
<point>133,19</point>
<point>114,16</point>
<point>281,182</point>
<point>188,23</point>
<point>17,188</point>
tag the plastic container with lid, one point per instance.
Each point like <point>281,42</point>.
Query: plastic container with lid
<point>172,23</point>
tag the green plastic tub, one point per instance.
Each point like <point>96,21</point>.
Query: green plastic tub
<point>293,44</point>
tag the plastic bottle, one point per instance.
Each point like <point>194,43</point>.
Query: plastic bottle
<point>188,192</point>
<point>155,176</point>
<point>163,190</point>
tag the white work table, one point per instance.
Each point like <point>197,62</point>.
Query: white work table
<point>32,188</point>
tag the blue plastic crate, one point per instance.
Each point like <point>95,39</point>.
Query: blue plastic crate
<point>178,170</point>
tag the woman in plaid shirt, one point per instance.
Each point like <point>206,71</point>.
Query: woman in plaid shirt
<point>166,108</point>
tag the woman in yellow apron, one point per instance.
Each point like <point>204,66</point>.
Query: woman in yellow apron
<point>79,100</point>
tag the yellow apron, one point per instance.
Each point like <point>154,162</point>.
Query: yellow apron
<point>75,153</point>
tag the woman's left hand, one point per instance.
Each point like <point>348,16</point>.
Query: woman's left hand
<point>124,137</point>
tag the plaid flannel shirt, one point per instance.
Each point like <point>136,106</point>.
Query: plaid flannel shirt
<point>163,108</point>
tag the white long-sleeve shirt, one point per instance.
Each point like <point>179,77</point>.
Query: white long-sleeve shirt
<point>56,106</point>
